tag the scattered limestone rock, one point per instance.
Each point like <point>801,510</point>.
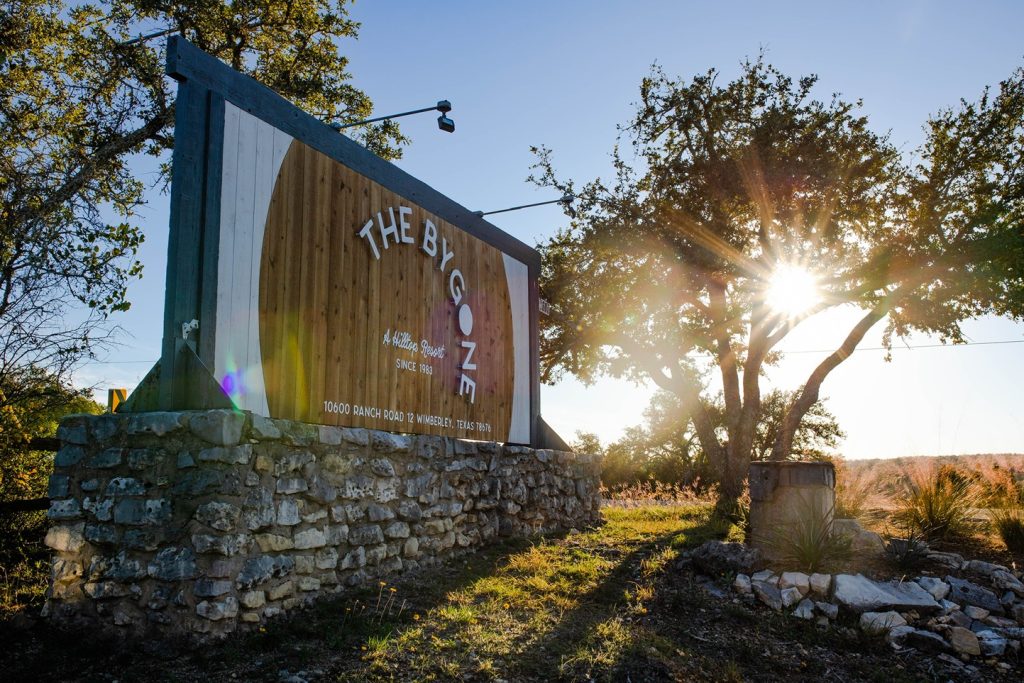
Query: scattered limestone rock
<point>827,610</point>
<point>880,623</point>
<point>965,592</point>
<point>805,610</point>
<point>741,584</point>
<point>797,580</point>
<point>717,557</point>
<point>820,584</point>
<point>937,588</point>
<point>768,594</point>
<point>790,596</point>
<point>860,594</point>
<point>991,643</point>
<point>964,641</point>
<point>984,568</point>
<point>975,612</point>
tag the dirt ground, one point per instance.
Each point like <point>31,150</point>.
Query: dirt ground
<point>609,604</point>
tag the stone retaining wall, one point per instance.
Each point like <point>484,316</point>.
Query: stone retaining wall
<point>199,522</point>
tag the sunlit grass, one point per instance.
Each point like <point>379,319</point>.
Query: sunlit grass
<point>565,603</point>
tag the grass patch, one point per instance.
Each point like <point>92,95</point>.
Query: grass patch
<point>1008,523</point>
<point>937,504</point>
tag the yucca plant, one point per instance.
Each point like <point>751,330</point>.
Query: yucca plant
<point>1008,522</point>
<point>808,544</point>
<point>938,504</point>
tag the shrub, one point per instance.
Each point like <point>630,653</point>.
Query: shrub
<point>937,505</point>
<point>809,545</point>
<point>1008,522</point>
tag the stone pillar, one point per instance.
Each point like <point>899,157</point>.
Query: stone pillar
<point>787,498</point>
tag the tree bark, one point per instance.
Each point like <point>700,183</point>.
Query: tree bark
<point>809,395</point>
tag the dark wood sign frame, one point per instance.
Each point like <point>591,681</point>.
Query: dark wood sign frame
<point>181,379</point>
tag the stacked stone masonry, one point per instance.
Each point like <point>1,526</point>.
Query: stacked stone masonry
<point>203,522</point>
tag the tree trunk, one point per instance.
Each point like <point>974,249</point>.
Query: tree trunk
<point>809,395</point>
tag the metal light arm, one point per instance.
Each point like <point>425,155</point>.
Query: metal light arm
<point>565,199</point>
<point>443,106</point>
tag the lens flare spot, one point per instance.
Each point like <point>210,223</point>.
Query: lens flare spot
<point>792,290</point>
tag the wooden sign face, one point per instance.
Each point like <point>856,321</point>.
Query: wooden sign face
<point>341,302</point>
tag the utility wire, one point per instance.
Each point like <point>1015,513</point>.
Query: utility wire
<point>912,346</point>
<point>859,348</point>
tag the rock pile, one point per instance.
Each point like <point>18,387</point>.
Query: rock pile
<point>196,522</point>
<point>977,610</point>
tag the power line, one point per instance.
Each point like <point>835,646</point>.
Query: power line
<point>859,348</point>
<point>913,346</point>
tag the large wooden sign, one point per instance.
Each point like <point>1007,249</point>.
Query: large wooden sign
<point>328,286</point>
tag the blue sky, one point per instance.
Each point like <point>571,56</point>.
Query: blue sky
<point>565,73</point>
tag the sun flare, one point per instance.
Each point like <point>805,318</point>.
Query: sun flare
<point>792,290</point>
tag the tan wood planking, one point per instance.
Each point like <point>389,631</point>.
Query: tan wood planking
<point>325,304</point>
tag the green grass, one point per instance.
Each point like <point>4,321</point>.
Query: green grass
<point>608,604</point>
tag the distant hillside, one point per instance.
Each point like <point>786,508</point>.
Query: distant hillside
<point>881,479</point>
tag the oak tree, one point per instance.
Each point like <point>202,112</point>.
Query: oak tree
<point>82,90</point>
<point>667,272</point>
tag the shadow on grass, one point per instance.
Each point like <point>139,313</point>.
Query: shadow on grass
<point>603,633</point>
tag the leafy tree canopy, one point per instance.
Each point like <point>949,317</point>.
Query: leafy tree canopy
<point>78,96</point>
<point>666,447</point>
<point>666,272</point>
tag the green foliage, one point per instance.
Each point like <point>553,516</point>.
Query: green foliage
<point>32,402</point>
<point>666,269</point>
<point>938,505</point>
<point>77,101</point>
<point>667,450</point>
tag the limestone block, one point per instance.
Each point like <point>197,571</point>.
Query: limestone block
<point>288,485</point>
<point>310,538</point>
<point>820,584</point>
<point>274,542</point>
<point>106,459</point>
<point>217,610</point>
<point>73,429</point>
<point>158,423</point>
<point>860,594</point>
<point>288,512</point>
<point>397,530</point>
<point>281,590</point>
<point>797,580</point>
<point>355,559</point>
<point>219,427</point>
<point>229,455</point>
<point>59,485</point>
<point>880,623</point>
<point>173,564</point>
<point>382,467</point>
<point>66,538</point>
<point>64,509</point>
<point>210,588</point>
<point>105,590</point>
<point>326,559</point>
<point>369,534</point>
<point>101,534</point>
<point>144,459</point>
<point>253,599</point>
<point>264,428</point>
<point>386,442</point>
<point>125,486</point>
<point>226,545</point>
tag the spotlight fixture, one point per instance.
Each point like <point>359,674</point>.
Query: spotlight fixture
<point>443,122</point>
